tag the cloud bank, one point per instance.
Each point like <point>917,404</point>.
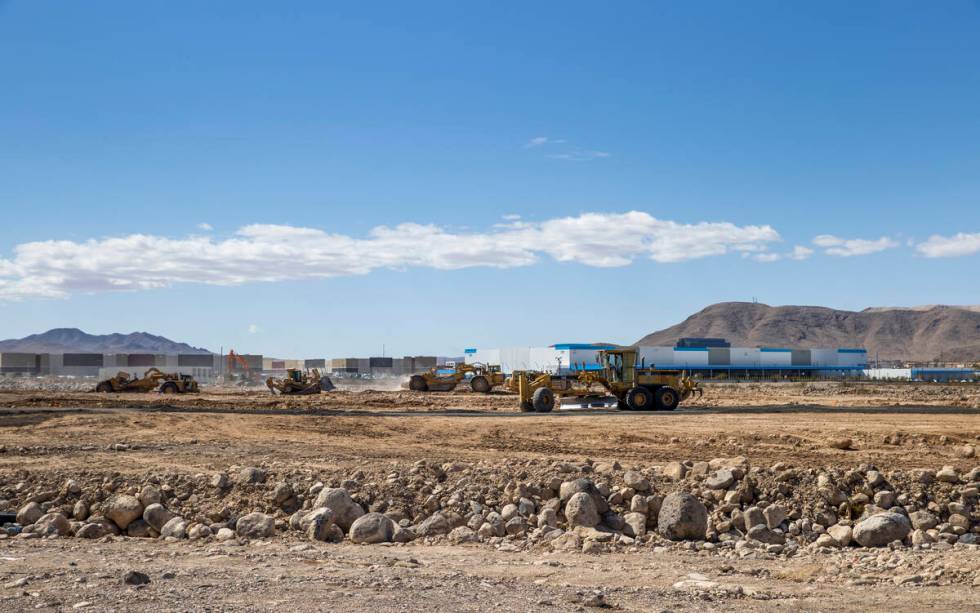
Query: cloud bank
<point>959,244</point>
<point>845,247</point>
<point>267,252</point>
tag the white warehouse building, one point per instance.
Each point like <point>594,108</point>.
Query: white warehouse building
<point>568,357</point>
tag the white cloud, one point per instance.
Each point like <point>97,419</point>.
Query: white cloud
<point>959,244</point>
<point>253,328</point>
<point>267,253</point>
<point>205,226</point>
<point>538,141</point>
<point>800,252</point>
<point>833,245</point>
<point>580,155</point>
<point>767,257</point>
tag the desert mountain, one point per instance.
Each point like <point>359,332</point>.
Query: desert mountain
<point>892,333</point>
<point>60,340</point>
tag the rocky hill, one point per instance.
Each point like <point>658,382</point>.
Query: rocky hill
<point>60,340</point>
<point>915,333</point>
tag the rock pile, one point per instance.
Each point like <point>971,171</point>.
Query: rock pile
<point>719,505</point>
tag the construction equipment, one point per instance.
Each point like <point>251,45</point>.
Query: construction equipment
<point>300,383</point>
<point>236,359</point>
<point>153,379</point>
<point>484,379</point>
<point>634,387</point>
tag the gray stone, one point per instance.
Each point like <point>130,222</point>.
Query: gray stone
<point>948,474</point>
<point>251,474</point>
<point>764,534</point>
<point>198,532</point>
<point>138,528</point>
<point>157,516</point>
<point>80,510</point>
<point>638,504</point>
<point>123,509</point>
<point>255,525</point>
<point>570,488</point>
<point>52,524</point>
<point>220,481</point>
<point>675,471</point>
<point>580,510</point>
<point>176,527</point>
<point>841,534</point>
<point>879,530</point>
<point>150,494</point>
<point>95,530</point>
<point>372,528</point>
<point>753,516</point>
<point>134,577</point>
<point>434,525</point>
<point>344,508</point>
<point>29,513</point>
<point>923,520</point>
<point>775,515</point>
<point>225,534</point>
<point>636,524</point>
<point>720,480</point>
<point>463,535</point>
<point>548,517</point>
<point>636,481</point>
<point>682,516</point>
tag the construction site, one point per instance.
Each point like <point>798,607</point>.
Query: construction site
<point>522,477</point>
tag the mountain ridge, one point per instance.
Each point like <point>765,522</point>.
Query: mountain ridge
<point>922,334</point>
<point>71,340</point>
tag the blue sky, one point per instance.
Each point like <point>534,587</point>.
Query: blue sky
<point>561,172</point>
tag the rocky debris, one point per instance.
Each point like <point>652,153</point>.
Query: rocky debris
<point>123,509</point>
<point>251,475</point>
<point>372,528</point>
<point>843,443</point>
<point>636,481</point>
<point>675,471</point>
<point>881,529</point>
<point>682,516</point>
<point>255,525</point>
<point>720,480</point>
<point>435,525</point>
<point>841,534</point>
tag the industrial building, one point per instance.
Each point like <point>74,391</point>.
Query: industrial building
<point>711,358</point>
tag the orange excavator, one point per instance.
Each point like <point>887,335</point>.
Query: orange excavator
<point>236,359</point>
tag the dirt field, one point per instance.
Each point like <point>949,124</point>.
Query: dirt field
<point>375,442</point>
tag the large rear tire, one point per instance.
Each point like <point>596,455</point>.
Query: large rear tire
<point>667,398</point>
<point>417,383</point>
<point>169,388</point>
<point>543,400</point>
<point>104,387</point>
<point>480,384</point>
<point>639,399</point>
<point>527,406</point>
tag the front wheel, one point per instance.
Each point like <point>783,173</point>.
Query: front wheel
<point>543,400</point>
<point>667,398</point>
<point>417,383</point>
<point>527,406</point>
<point>169,388</point>
<point>480,384</point>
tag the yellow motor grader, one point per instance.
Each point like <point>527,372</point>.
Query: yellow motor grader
<point>484,379</point>
<point>635,388</point>
<point>153,379</point>
<point>300,383</point>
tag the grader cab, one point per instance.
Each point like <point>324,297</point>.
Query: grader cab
<point>635,388</point>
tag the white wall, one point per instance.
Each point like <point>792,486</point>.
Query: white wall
<point>656,356</point>
<point>888,373</point>
<point>776,358</point>
<point>745,356</point>
<point>690,357</point>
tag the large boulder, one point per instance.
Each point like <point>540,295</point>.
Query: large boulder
<point>372,528</point>
<point>29,513</point>
<point>140,529</point>
<point>52,524</point>
<point>682,516</point>
<point>636,481</point>
<point>580,510</point>
<point>157,516</point>
<point>881,529</point>
<point>255,525</point>
<point>97,529</point>
<point>123,509</point>
<point>344,508</point>
<point>636,524</point>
